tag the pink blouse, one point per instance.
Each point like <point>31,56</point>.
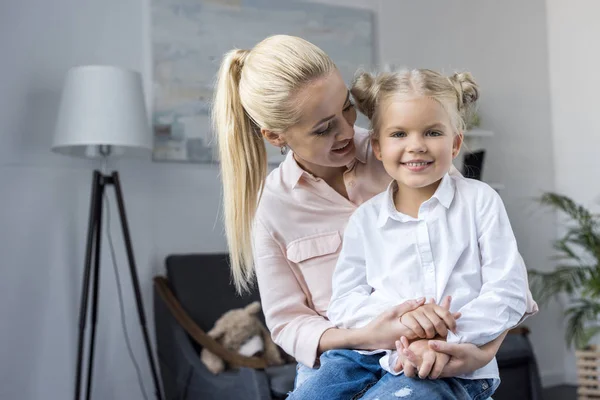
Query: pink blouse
<point>297,236</point>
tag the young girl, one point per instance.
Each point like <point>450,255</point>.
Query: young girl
<point>430,234</point>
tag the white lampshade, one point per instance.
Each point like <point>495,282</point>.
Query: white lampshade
<point>102,106</point>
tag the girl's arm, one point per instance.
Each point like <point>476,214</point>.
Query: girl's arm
<point>503,299</point>
<point>353,302</point>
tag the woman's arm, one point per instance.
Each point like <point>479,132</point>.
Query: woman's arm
<point>464,358</point>
<point>381,333</point>
<point>294,326</point>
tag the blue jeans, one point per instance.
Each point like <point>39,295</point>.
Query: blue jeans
<point>346,374</point>
<point>303,373</point>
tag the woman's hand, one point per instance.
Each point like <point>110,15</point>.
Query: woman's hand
<point>464,358</point>
<point>384,331</point>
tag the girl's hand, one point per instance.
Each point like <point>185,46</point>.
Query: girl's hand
<point>383,331</point>
<point>431,320</point>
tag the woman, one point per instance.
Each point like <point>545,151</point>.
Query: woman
<point>286,228</point>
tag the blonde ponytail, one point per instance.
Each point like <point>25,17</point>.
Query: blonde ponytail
<point>243,160</point>
<point>256,90</point>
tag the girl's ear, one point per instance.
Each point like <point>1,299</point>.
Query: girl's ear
<point>457,144</point>
<point>376,148</point>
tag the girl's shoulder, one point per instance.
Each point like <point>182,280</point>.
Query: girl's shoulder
<point>474,191</point>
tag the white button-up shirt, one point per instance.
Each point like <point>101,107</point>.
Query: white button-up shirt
<point>461,245</point>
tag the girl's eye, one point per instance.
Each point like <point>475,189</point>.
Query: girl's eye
<point>398,134</point>
<point>434,133</point>
<point>326,130</point>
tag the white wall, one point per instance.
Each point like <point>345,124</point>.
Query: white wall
<point>173,208</point>
<point>574,87</point>
<point>44,203</point>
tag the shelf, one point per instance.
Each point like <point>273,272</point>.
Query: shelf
<point>473,143</point>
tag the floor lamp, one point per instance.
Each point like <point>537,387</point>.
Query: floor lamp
<point>102,114</point>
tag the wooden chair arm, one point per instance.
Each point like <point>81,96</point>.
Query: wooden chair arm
<point>187,323</point>
<point>521,330</point>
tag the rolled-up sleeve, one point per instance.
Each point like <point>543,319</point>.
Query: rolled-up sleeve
<point>294,326</point>
<point>504,299</point>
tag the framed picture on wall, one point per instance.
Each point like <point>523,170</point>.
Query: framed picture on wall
<point>189,38</point>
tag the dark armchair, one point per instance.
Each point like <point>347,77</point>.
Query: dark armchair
<point>518,368</point>
<point>187,302</point>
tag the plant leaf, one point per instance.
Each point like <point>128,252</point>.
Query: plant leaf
<point>582,311</point>
<point>565,279</point>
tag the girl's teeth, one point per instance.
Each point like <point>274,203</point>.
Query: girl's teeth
<point>340,148</point>
<point>417,164</point>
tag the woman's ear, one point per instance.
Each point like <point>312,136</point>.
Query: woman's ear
<point>376,148</point>
<point>457,144</point>
<point>276,139</point>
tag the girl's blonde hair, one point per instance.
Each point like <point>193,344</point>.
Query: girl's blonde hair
<point>256,89</point>
<point>457,93</point>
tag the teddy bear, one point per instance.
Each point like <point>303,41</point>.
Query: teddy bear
<point>241,331</point>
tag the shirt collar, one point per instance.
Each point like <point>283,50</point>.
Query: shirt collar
<point>292,172</point>
<point>445,192</point>
<point>444,195</point>
<point>388,209</point>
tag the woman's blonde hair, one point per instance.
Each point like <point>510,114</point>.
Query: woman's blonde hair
<point>457,93</point>
<point>255,89</point>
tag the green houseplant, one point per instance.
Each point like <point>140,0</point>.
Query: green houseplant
<point>577,273</point>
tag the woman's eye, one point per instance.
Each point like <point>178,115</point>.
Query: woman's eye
<point>324,131</point>
<point>348,107</point>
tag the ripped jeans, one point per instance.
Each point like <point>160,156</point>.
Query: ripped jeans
<point>347,375</point>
